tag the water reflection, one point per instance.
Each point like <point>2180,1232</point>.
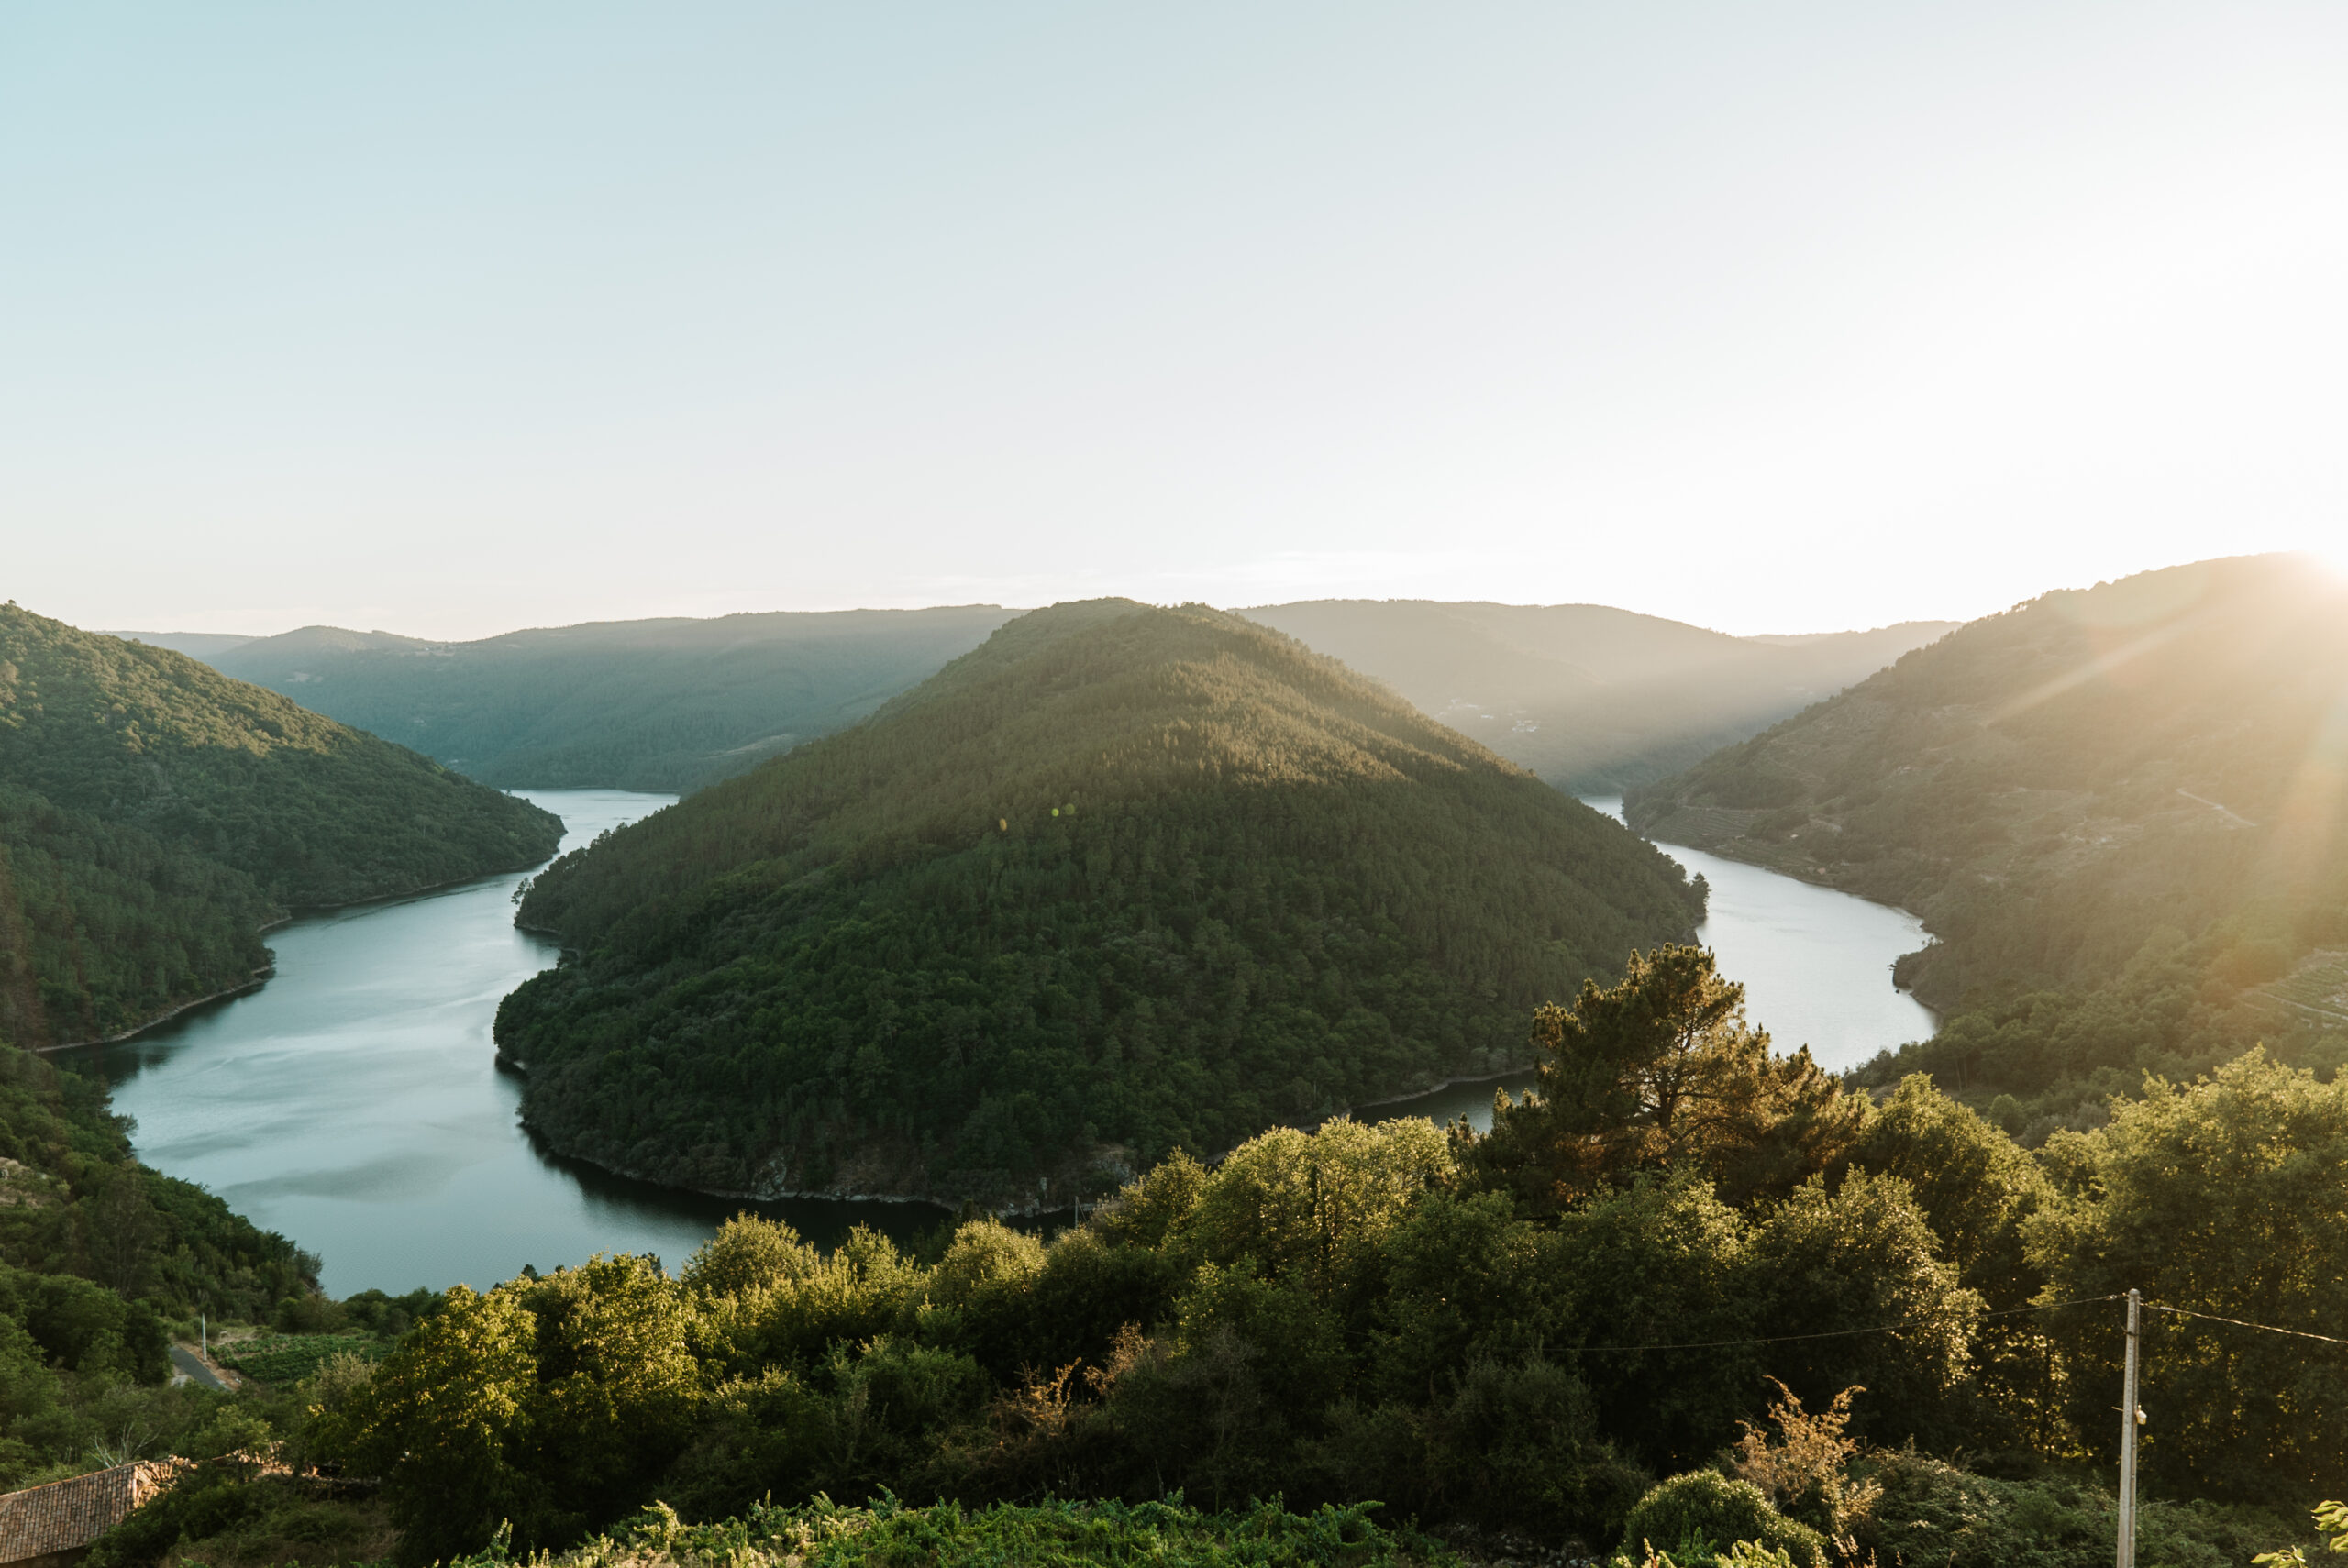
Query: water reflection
<point>353,1104</point>
<point>1815,965</point>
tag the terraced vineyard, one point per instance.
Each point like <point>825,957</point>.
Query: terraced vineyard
<point>283,1360</point>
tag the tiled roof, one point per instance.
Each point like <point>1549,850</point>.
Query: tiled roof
<point>65,1515</point>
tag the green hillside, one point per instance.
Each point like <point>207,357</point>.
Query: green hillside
<point>1123,879</point>
<point>154,814</point>
<point>662,705</point>
<point>1592,699</point>
<point>2119,810</point>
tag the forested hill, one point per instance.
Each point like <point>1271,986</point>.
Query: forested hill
<point>660,704</point>
<point>1594,700</point>
<point>155,814</point>
<point>2119,810</point>
<point>1121,880</point>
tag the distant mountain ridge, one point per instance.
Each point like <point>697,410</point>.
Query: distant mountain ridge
<point>204,646</point>
<point>664,704</point>
<point>1595,700</point>
<point>154,814</point>
<point>1120,879</point>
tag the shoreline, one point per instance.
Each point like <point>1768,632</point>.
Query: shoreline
<point>1030,1209</point>
<point>260,978</point>
<point>263,975</point>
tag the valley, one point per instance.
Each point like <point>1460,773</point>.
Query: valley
<point>353,1101</point>
<point>1117,908</point>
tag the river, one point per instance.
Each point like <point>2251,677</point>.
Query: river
<point>1815,965</point>
<point>352,1102</point>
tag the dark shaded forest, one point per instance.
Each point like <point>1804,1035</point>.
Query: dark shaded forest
<point>155,815</point>
<point>2119,811</point>
<point>660,705</point>
<point>1122,880</point>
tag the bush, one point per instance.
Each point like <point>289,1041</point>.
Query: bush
<point>1703,1509</point>
<point>1930,1511</point>
<point>221,1513</point>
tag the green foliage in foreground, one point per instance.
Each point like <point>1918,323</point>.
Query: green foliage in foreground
<point>1121,880</point>
<point>1386,1312</point>
<point>1519,1331</point>
<point>1703,1506</point>
<point>222,1515</point>
<point>155,814</point>
<point>1048,1535</point>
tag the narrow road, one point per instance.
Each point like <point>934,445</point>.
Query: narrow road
<point>187,1362</point>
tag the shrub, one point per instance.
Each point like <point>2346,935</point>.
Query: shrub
<point>1704,1510</point>
<point>1804,1473</point>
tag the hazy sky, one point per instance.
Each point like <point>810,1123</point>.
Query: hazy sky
<point>1773,317</point>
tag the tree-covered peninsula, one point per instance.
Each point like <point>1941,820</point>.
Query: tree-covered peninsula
<point>1119,880</point>
<point>156,814</point>
<point>2120,811</point>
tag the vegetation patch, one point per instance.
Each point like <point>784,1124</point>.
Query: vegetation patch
<point>1048,1535</point>
<point>286,1359</point>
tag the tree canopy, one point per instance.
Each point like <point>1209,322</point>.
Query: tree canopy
<point>154,814</point>
<point>1121,880</point>
<point>1662,1071</point>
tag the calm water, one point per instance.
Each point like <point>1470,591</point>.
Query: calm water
<point>1815,965</point>
<point>352,1102</point>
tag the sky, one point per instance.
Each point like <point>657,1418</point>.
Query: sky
<point>450,319</point>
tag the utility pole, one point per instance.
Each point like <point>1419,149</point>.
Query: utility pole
<point>2130,1417</point>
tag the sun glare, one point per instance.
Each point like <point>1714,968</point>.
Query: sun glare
<point>2333,557</point>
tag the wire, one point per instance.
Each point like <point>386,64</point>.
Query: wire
<point>1836,1333</point>
<point>2241,1323</point>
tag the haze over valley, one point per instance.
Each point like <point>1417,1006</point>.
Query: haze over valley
<point>1406,786</point>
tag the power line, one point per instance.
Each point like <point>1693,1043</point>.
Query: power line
<point>1836,1334</point>
<point>2186,1313</point>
